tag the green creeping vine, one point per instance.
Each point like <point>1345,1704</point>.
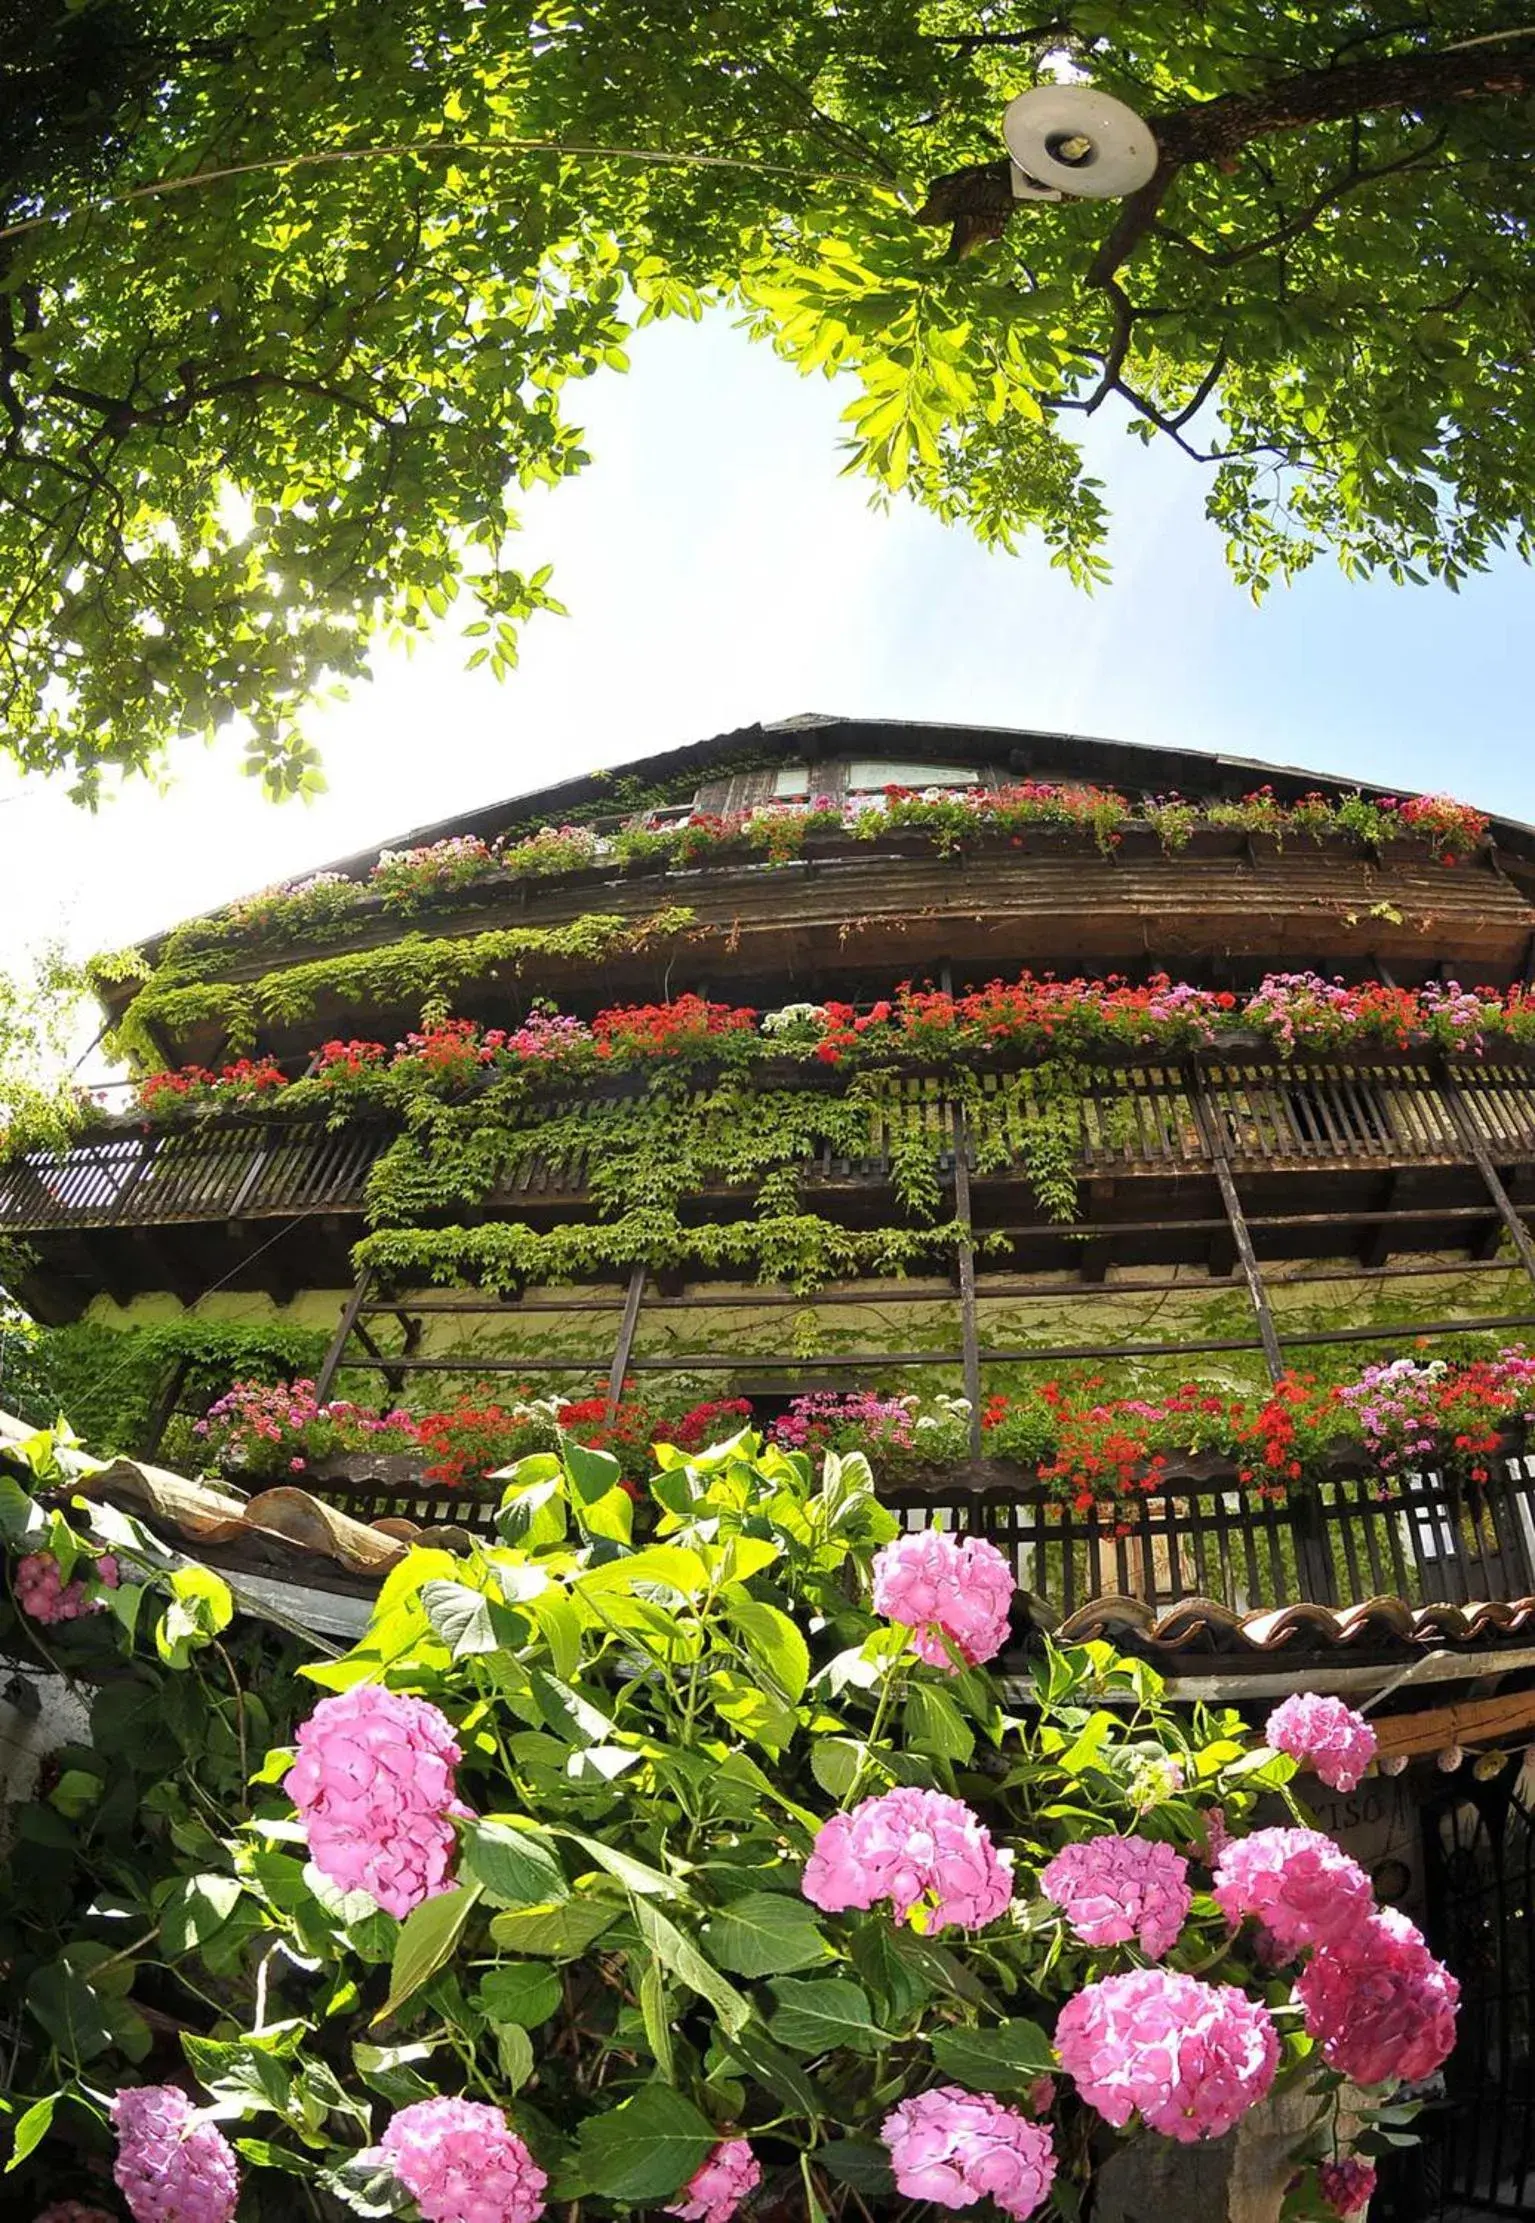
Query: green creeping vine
<point>656,1149</point>
<point>639,1160</point>
<point>418,970</point>
<point>801,1250</point>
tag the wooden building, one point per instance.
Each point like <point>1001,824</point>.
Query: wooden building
<point>815,1165</point>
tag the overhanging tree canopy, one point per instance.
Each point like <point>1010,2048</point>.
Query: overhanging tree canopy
<point>289,300</point>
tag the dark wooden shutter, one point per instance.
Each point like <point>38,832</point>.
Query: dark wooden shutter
<point>740,792</point>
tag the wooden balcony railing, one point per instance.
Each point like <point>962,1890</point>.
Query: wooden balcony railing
<point>1138,1121</point>
<point>1338,1539</point>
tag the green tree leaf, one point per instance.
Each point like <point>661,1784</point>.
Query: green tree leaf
<point>197,1909</point>
<point>935,1724</point>
<point>561,1932</point>
<point>461,1617</point>
<point>31,2129</point>
<point>773,1643</point>
<point>514,1867</point>
<point>683,1959</point>
<point>519,1992</point>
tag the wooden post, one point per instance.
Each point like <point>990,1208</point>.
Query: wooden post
<point>1470,1134</point>
<point>628,1321</point>
<point>331,1365</point>
<point>165,1404</point>
<point>1208,1116</point>
<point>969,1333</point>
<point>394,1380</point>
<point>970,1342</point>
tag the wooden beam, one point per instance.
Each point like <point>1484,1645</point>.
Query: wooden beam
<point>1387,1331</point>
<point>964,1261</point>
<point>394,1381</point>
<point>970,1342</point>
<point>331,1365</point>
<point>165,1403</point>
<point>1474,1721</point>
<point>1504,1205</point>
<point>628,1321</point>
<point>1375,1243</point>
<point>1212,1127</point>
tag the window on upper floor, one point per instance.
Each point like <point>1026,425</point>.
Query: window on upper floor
<point>867,776</point>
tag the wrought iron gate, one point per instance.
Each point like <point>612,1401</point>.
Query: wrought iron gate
<point>1480,1873</point>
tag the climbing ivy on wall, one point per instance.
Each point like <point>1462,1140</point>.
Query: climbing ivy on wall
<point>419,971</point>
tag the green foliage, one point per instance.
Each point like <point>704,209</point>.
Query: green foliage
<point>110,1379</point>
<point>417,970</point>
<point>652,1734</point>
<point>257,422</point>
<point>802,1250</point>
<point>40,1013</point>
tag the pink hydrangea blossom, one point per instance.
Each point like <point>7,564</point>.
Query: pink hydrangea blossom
<point>1346,2186</point>
<point>42,1592</point>
<point>373,1784</point>
<point>912,1848</point>
<point>955,2148</point>
<point>714,2192</point>
<point>72,2211</point>
<point>1191,2058</point>
<point>1217,1835</point>
<point>1339,1743</point>
<point>172,2165</point>
<point>942,1586</point>
<point>1113,1889</point>
<point>1299,1884</point>
<point>461,2162</point>
<point>1378,2003</point>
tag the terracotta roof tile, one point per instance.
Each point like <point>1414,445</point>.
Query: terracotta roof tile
<point>297,1537</point>
<point>1376,1624</point>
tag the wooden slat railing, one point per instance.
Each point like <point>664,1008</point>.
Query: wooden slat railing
<point>1137,1120</point>
<point>1337,1540</point>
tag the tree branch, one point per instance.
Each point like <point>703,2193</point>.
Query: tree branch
<point>1119,345</point>
<point>1302,221</point>
<point>1219,130</point>
<point>1058,28</point>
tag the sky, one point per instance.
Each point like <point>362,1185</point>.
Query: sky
<point>719,571</point>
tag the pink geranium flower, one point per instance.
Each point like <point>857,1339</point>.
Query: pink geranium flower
<point>941,1586</point>
<point>1378,2003</point>
<point>1346,2186</point>
<point>462,2163</point>
<point>1302,1887</point>
<point>42,1592</point>
<point>373,1784</point>
<point>172,2166</point>
<point>714,2192</point>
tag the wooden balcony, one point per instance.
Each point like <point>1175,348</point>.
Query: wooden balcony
<point>1341,1539</point>
<point>1326,1159</point>
<point>850,915</point>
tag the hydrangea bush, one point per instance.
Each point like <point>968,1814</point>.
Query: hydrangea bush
<point>716,1874</point>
